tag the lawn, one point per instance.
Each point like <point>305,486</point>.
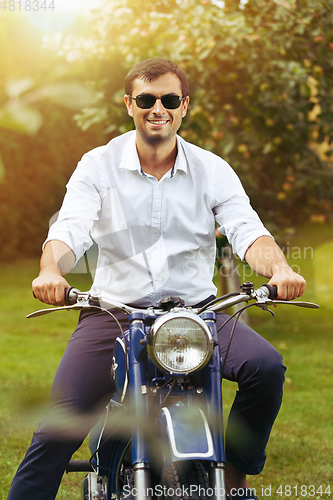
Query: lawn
<point>299,452</point>
<point>30,351</point>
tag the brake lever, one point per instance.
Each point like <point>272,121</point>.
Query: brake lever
<point>83,302</point>
<point>299,303</point>
<point>262,303</point>
<point>42,312</point>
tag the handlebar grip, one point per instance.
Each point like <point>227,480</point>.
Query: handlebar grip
<point>71,295</point>
<point>272,291</point>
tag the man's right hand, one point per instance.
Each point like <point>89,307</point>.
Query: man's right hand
<point>56,261</point>
<point>50,288</point>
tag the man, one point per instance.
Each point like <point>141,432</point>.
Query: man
<point>150,201</point>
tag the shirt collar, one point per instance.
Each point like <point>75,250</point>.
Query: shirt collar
<point>130,159</point>
<point>181,161</point>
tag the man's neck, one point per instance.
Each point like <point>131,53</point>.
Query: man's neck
<point>156,159</point>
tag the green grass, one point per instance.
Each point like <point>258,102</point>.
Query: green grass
<point>299,451</point>
<point>30,351</point>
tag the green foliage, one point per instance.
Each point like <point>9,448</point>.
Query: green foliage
<point>40,144</point>
<point>19,113</point>
<point>36,171</point>
<point>255,73</point>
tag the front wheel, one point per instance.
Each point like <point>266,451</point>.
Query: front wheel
<point>185,480</point>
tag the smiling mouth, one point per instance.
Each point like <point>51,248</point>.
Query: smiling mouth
<point>158,122</point>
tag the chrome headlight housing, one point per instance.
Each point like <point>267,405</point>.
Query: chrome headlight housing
<point>180,343</point>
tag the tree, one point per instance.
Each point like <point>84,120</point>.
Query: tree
<point>261,88</point>
<point>39,142</point>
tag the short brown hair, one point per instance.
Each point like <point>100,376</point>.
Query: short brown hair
<point>149,69</point>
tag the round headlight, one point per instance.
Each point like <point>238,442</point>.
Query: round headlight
<point>180,342</point>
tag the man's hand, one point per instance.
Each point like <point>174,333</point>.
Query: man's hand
<point>267,259</point>
<point>50,288</point>
<point>57,260</point>
<point>290,285</point>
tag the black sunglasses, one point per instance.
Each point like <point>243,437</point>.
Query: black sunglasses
<point>147,101</point>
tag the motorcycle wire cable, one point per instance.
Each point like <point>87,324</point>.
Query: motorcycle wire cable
<point>122,334</point>
<point>119,467</point>
<point>100,308</point>
<point>237,316</point>
<point>218,299</point>
<point>100,446</point>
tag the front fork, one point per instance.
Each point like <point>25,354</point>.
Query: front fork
<point>139,405</point>
<point>212,385</point>
<point>212,380</point>
<point>216,476</point>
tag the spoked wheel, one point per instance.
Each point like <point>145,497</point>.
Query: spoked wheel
<point>185,480</point>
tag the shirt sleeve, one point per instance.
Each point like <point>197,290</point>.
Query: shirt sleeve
<point>80,208</point>
<point>236,218</point>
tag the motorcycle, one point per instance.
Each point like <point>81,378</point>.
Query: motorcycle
<point>161,434</point>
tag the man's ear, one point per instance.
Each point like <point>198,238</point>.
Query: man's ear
<point>128,102</point>
<point>185,106</point>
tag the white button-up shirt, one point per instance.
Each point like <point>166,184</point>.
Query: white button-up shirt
<point>154,238</point>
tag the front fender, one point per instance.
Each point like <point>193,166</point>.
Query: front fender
<point>184,433</point>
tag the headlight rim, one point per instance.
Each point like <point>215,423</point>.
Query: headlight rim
<point>159,322</point>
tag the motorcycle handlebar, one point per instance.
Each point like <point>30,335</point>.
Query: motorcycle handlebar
<point>266,290</point>
<point>71,293</point>
<point>75,299</point>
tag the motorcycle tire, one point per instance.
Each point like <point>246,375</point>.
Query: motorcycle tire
<point>185,480</point>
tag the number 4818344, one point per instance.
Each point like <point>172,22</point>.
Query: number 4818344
<point>27,5</point>
<point>303,490</point>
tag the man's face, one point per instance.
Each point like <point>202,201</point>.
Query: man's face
<point>157,124</point>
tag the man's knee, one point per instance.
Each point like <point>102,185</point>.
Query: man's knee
<point>266,372</point>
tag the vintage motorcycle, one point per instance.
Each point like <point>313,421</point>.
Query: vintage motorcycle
<point>161,435</point>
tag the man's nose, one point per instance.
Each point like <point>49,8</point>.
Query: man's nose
<point>158,107</point>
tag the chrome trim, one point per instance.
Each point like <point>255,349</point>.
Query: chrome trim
<point>179,314</point>
<point>178,454</point>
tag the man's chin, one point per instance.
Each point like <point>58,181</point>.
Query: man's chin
<point>156,138</point>
<point>153,139</point>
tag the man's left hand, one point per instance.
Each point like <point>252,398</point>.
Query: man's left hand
<point>290,285</point>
